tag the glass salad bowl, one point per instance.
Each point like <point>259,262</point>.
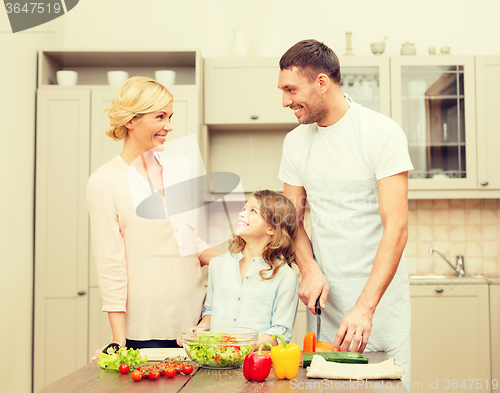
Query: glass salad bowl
<point>219,347</point>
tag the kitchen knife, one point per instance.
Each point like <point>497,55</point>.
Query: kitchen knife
<point>318,319</point>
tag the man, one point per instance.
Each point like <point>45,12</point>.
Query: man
<point>351,165</point>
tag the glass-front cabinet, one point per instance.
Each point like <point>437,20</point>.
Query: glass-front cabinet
<point>366,80</point>
<point>433,100</point>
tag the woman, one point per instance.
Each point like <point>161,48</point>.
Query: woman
<point>148,288</point>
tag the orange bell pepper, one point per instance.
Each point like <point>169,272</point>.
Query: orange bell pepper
<point>309,342</point>
<point>322,346</point>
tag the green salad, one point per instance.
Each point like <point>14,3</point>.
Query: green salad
<point>218,350</point>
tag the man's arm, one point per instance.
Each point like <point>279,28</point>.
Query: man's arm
<point>393,206</point>
<point>314,283</point>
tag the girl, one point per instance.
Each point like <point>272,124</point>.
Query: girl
<point>253,285</point>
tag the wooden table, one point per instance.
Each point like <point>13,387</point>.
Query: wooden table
<point>91,378</point>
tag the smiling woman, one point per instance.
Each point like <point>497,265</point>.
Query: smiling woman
<point>136,257</point>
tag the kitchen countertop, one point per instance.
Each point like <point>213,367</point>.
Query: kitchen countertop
<point>453,280</point>
<point>91,378</point>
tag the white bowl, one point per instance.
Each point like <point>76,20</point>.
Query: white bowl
<point>445,50</point>
<point>165,77</point>
<point>67,78</point>
<point>117,78</point>
<point>378,48</point>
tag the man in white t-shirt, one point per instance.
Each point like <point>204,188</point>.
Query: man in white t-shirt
<point>351,165</point>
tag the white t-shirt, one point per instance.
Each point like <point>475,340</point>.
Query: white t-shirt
<point>335,155</point>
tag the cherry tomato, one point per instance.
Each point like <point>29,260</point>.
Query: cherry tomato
<point>124,368</point>
<point>170,372</point>
<point>187,368</point>
<point>161,368</point>
<point>153,375</point>
<point>136,375</point>
<point>177,367</point>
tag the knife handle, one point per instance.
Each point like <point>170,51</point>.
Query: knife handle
<point>318,307</point>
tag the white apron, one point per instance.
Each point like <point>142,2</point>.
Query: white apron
<point>346,232</point>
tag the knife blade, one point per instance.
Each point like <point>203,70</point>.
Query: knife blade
<point>318,319</point>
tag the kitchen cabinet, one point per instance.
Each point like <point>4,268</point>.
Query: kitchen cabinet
<point>366,80</point>
<point>488,121</point>
<point>450,334</point>
<point>71,143</point>
<point>242,91</point>
<point>433,99</point>
<point>494,330</point>
<point>61,233</point>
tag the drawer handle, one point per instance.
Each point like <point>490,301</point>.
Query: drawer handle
<point>439,290</point>
<point>484,183</point>
<point>254,117</point>
<point>81,293</point>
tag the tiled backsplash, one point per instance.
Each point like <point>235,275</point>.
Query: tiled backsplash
<point>468,227</point>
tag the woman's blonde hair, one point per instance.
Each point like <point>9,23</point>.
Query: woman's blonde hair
<point>279,212</point>
<point>138,95</point>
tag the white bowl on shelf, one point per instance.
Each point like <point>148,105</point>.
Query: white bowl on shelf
<point>67,78</point>
<point>117,78</point>
<point>165,77</point>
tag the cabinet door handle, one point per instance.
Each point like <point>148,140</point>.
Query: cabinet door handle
<point>439,290</point>
<point>81,293</point>
<point>254,117</point>
<point>484,183</point>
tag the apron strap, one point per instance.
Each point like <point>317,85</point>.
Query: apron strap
<point>356,125</point>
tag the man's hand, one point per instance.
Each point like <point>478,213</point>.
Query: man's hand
<point>314,284</point>
<point>354,329</point>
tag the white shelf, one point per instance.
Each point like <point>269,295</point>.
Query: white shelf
<point>92,66</point>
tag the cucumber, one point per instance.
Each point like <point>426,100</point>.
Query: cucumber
<point>338,357</point>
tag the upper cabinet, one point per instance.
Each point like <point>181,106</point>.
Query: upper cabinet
<point>367,81</point>
<point>488,121</point>
<point>433,99</point>
<point>453,142</point>
<point>244,91</point>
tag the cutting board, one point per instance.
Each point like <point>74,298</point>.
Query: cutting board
<point>160,354</point>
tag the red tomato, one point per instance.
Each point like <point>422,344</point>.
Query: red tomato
<point>187,368</point>
<point>170,372</point>
<point>161,367</point>
<point>136,375</point>
<point>177,367</point>
<point>154,375</point>
<point>124,368</point>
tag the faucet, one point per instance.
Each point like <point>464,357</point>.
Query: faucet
<point>460,266</point>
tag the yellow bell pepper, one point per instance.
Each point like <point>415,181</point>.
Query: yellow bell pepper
<point>286,359</point>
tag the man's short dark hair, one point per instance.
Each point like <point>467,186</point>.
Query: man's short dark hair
<point>312,57</point>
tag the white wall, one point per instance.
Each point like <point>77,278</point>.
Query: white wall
<point>468,27</point>
<point>18,58</point>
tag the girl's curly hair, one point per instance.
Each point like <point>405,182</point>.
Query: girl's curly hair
<point>278,211</point>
